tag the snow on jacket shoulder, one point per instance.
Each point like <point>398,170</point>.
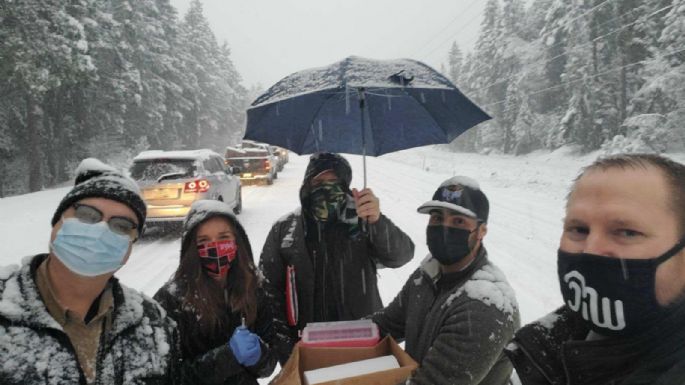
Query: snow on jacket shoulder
<point>456,335</point>
<point>140,348</point>
<point>352,268</point>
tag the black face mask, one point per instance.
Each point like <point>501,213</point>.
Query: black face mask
<point>615,297</point>
<point>448,245</point>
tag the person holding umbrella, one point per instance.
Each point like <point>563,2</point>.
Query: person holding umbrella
<point>215,297</point>
<point>319,262</point>
<point>457,311</point>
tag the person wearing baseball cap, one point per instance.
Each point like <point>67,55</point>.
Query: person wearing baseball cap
<point>63,315</point>
<point>456,312</point>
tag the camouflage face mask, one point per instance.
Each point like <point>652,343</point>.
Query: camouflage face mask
<point>325,201</point>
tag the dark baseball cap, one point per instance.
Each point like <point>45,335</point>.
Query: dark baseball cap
<point>461,194</point>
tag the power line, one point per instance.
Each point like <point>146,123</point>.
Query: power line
<point>540,62</point>
<point>580,79</point>
<point>449,37</point>
<point>617,17</point>
<point>423,46</point>
<point>591,10</point>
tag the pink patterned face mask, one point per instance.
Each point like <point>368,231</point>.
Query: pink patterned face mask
<point>216,257</point>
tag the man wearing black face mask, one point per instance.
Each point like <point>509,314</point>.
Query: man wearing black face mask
<point>621,268</point>
<point>456,311</point>
<point>319,262</point>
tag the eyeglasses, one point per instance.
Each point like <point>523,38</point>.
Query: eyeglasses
<point>119,225</point>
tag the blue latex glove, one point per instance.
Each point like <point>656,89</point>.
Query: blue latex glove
<point>245,346</point>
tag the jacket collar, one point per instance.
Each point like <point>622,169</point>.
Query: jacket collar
<point>21,303</point>
<point>557,346</point>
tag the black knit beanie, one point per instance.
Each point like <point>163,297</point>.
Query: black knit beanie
<point>95,179</point>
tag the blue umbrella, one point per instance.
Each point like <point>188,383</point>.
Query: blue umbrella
<point>362,106</point>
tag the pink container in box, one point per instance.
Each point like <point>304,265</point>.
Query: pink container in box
<point>355,334</point>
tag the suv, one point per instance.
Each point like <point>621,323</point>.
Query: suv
<point>255,161</point>
<point>170,181</point>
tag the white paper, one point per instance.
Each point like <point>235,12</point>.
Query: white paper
<point>350,369</point>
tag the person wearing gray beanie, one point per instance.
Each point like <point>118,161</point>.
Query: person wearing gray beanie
<point>216,298</point>
<point>67,319</point>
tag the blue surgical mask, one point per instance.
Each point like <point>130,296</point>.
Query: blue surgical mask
<point>89,249</point>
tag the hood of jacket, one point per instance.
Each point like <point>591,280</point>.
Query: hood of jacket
<point>204,210</point>
<point>323,161</point>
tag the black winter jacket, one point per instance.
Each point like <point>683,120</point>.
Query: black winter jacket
<point>140,348</point>
<point>554,351</point>
<point>218,365</point>
<point>350,272</point>
<point>455,330</point>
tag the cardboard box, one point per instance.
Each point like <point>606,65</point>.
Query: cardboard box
<point>308,358</point>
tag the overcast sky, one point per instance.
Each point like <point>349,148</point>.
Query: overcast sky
<point>270,39</point>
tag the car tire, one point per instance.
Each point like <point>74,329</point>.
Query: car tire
<point>270,180</point>
<point>239,205</point>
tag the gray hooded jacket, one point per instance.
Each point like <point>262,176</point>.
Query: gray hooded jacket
<point>455,332</point>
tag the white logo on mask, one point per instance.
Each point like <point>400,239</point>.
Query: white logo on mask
<point>586,300</point>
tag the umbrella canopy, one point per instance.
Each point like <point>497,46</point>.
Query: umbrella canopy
<point>362,106</point>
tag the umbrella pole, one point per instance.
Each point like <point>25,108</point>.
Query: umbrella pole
<point>362,106</point>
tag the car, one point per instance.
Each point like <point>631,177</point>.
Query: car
<point>170,181</point>
<point>275,159</point>
<point>256,162</point>
<point>282,156</point>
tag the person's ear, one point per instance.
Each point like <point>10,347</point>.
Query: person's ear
<point>482,230</point>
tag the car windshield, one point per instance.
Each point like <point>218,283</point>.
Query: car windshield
<point>152,169</point>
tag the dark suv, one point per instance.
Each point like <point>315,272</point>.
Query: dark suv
<point>256,162</point>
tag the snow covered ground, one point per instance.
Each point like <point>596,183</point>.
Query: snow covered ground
<point>526,196</point>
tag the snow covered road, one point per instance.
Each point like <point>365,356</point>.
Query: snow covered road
<point>526,196</point>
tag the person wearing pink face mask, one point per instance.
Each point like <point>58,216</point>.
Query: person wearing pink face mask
<point>215,296</point>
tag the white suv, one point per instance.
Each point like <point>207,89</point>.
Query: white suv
<point>171,181</point>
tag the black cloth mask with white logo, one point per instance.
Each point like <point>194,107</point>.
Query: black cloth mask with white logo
<point>615,296</point>
<point>448,245</point>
